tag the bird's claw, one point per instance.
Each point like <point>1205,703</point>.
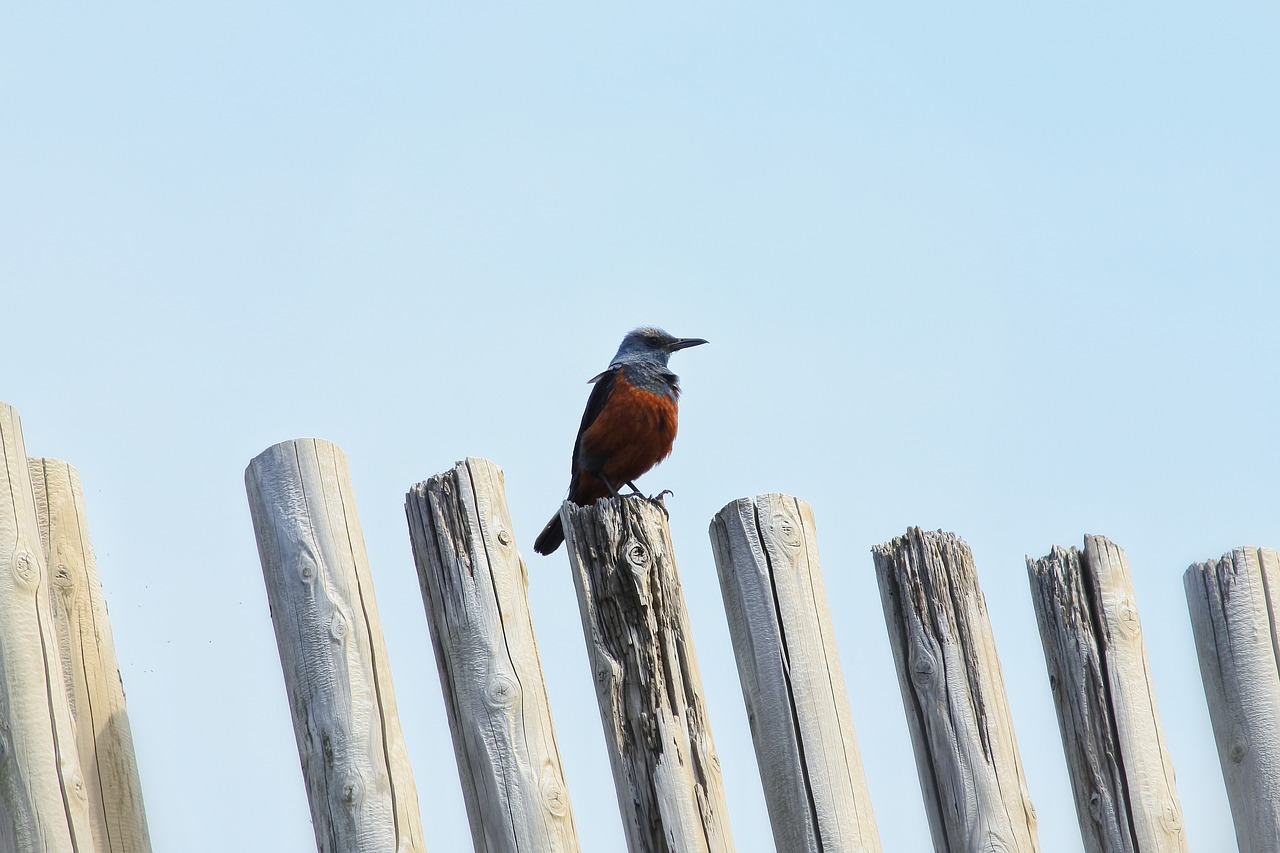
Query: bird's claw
<point>657,500</point>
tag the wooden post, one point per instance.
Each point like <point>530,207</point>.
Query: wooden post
<point>475,589</point>
<point>359,782</point>
<point>43,806</point>
<point>664,764</point>
<point>766,553</point>
<point>93,686</point>
<point>1121,773</point>
<point>1234,604</point>
<point>974,789</point>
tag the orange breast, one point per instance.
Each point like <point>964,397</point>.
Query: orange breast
<point>633,432</point>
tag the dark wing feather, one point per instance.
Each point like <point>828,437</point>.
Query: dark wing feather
<point>595,404</point>
<point>553,534</point>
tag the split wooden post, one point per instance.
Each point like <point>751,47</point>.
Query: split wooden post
<point>43,803</point>
<point>1121,774</point>
<point>665,768</point>
<point>475,589</point>
<point>974,788</point>
<point>359,781</point>
<point>766,554</point>
<point>1234,604</point>
<point>94,690</point>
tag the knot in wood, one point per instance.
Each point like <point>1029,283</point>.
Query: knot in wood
<point>784,527</point>
<point>502,693</point>
<point>1171,817</point>
<point>307,568</point>
<point>1238,745</point>
<point>637,555</point>
<point>352,791</point>
<point>924,668</point>
<point>78,788</point>
<point>338,628</point>
<point>1127,618</point>
<point>554,798</point>
<point>61,574</point>
<point>62,577</point>
<point>504,538</point>
<point>1095,805</point>
<point>26,571</point>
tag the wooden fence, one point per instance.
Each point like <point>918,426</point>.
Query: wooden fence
<point>68,779</point>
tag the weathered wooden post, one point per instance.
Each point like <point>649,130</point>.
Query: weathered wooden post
<point>359,781</point>
<point>94,690</point>
<point>1234,604</point>
<point>664,763</point>
<point>475,589</point>
<point>966,755</point>
<point>1121,773</point>
<point>43,805</point>
<point>766,553</point>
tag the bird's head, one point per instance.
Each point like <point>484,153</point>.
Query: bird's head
<point>651,344</point>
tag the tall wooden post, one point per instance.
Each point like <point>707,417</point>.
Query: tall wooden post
<point>359,783</point>
<point>967,757</point>
<point>665,768</point>
<point>475,589</point>
<point>1121,773</point>
<point>94,690</point>
<point>1234,604</point>
<point>43,805</point>
<point>766,553</point>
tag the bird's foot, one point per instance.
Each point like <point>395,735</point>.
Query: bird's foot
<point>657,500</point>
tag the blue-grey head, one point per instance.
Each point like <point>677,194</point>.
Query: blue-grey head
<point>650,345</point>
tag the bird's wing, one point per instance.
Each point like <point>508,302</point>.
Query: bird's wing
<point>595,403</point>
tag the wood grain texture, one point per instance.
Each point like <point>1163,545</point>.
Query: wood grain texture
<point>665,768</point>
<point>1234,604</point>
<point>1121,774</point>
<point>94,689</point>
<point>43,800</point>
<point>475,589</point>
<point>766,554</point>
<point>966,754</point>
<point>359,782</point>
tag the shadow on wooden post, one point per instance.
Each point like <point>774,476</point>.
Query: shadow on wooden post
<point>359,782</point>
<point>664,764</point>
<point>974,788</point>
<point>766,554</point>
<point>94,689</point>
<point>1121,774</point>
<point>1234,604</point>
<point>475,589</point>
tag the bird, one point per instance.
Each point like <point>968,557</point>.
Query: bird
<point>629,424</point>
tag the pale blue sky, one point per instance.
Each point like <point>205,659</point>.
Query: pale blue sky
<point>1006,271</point>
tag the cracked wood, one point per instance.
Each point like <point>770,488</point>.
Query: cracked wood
<point>766,554</point>
<point>94,689</point>
<point>664,763</point>
<point>1122,777</point>
<point>1234,604</point>
<point>359,782</point>
<point>475,590</point>
<point>975,791</point>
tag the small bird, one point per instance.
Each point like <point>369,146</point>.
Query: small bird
<point>629,425</point>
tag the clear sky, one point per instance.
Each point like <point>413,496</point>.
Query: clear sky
<point>1006,271</point>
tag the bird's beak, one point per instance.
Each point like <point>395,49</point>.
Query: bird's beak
<point>682,343</point>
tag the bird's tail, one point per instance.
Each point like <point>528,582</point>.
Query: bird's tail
<point>551,536</point>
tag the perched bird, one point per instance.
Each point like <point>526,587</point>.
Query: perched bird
<point>629,425</point>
